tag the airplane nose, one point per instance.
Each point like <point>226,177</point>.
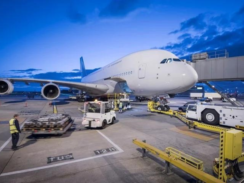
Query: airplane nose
<point>190,77</point>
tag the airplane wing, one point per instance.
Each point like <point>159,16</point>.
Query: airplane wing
<point>117,79</point>
<point>91,88</point>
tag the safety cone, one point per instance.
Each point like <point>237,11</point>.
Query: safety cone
<point>26,105</point>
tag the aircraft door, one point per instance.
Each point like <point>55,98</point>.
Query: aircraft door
<point>142,71</point>
<point>191,112</point>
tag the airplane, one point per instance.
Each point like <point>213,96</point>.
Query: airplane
<point>146,73</point>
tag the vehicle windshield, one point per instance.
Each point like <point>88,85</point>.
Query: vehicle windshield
<point>93,107</point>
<point>192,108</point>
<point>168,60</point>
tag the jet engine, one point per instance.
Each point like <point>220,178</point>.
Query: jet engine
<point>6,87</point>
<point>50,91</point>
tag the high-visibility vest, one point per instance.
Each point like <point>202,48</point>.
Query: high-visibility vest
<point>12,127</point>
<point>120,105</point>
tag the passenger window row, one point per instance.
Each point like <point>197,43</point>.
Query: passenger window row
<point>168,60</point>
<point>123,74</point>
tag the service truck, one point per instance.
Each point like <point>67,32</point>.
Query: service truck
<point>98,114</point>
<point>216,115</point>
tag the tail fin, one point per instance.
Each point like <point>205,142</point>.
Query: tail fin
<point>82,68</point>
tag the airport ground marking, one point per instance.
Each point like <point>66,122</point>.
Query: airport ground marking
<point>110,141</point>
<point>70,162</point>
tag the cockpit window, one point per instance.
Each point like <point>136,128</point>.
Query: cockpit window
<point>168,60</point>
<point>163,61</point>
<point>176,60</point>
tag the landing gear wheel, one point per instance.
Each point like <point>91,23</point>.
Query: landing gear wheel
<point>104,124</point>
<point>167,108</point>
<point>113,120</point>
<point>161,108</point>
<point>210,117</point>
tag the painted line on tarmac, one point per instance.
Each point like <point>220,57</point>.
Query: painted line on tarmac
<point>70,162</point>
<point>110,141</point>
<point>10,138</point>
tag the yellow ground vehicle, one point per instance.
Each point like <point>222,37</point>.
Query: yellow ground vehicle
<point>160,104</point>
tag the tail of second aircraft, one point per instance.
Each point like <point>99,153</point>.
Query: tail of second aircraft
<point>82,68</point>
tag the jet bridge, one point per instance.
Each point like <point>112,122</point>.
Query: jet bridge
<point>218,66</point>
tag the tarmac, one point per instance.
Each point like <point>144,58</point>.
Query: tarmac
<point>98,155</point>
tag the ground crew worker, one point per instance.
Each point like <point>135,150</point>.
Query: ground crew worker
<point>120,106</point>
<point>15,131</point>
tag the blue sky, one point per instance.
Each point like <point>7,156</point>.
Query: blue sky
<point>44,39</point>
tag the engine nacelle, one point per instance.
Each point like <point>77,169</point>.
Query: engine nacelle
<point>6,87</point>
<point>50,91</point>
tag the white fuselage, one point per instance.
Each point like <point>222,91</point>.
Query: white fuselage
<point>145,75</point>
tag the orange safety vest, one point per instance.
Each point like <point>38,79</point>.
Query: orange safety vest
<point>12,127</point>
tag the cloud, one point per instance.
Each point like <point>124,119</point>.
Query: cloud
<point>76,17</point>
<point>56,75</point>
<point>27,71</point>
<point>223,20</point>
<point>183,36</point>
<point>238,17</point>
<point>196,23</point>
<point>65,76</point>
<point>240,11</point>
<point>122,8</point>
<point>74,75</point>
<point>212,32</point>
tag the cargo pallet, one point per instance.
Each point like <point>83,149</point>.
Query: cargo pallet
<point>52,127</point>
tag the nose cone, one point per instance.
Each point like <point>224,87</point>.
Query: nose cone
<point>189,77</point>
